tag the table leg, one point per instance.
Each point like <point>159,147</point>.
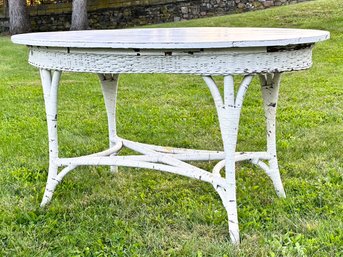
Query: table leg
<point>109,84</point>
<point>50,80</point>
<point>270,89</point>
<point>228,109</point>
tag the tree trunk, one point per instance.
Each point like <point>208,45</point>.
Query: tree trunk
<point>19,17</point>
<point>79,20</point>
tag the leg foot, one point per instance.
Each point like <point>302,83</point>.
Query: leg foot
<point>230,205</point>
<point>276,178</point>
<point>49,191</point>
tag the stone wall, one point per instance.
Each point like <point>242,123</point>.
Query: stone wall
<point>3,24</point>
<point>107,14</point>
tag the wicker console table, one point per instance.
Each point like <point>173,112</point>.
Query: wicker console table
<point>206,52</point>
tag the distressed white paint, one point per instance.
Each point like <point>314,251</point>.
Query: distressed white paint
<point>50,80</point>
<point>201,51</point>
<point>109,83</point>
<point>205,62</point>
<point>228,109</point>
<point>270,89</point>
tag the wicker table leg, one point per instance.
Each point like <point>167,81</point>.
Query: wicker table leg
<point>109,84</point>
<point>50,80</point>
<point>228,109</point>
<point>270,89</point>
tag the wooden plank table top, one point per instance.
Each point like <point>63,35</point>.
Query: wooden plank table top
<point>173,38</point>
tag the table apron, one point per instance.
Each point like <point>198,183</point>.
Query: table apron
<point>201,62</point>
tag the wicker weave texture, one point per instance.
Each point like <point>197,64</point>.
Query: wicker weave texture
<point>183,62</point>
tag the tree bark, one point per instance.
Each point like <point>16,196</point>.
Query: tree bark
<point>19,17</point>
<point>79,20</point>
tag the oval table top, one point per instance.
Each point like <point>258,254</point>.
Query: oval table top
<point>173,38</point>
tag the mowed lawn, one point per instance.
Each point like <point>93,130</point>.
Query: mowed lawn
<point>147,213</point>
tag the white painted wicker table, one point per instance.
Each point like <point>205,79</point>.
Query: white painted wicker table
<point>200,51</point>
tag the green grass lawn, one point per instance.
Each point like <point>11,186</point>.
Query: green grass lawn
<point>146,213</point>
